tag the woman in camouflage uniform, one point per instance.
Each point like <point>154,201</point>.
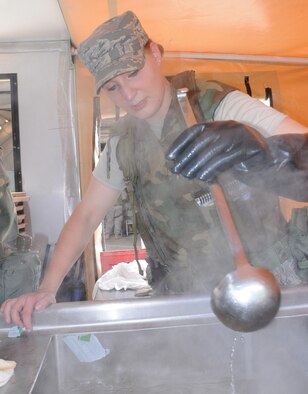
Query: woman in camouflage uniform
<point>126,65</point>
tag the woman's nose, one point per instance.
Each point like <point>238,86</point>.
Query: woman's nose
<point>128,92</point>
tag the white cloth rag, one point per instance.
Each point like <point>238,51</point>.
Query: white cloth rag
<point>6,371</point>
<point>123,276</point>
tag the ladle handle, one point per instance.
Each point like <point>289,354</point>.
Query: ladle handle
<point>221,203</point>
<point>228,225</point>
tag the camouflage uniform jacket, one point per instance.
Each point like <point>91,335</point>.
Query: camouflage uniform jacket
<point>187,248</point>
<point>8,218</point>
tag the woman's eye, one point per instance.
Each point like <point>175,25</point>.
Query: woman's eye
<point>133,74</point>
<point>111,88</point>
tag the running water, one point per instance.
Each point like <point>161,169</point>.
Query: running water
<point>231,363</point>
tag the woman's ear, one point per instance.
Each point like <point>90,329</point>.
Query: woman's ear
<point>155,51</point>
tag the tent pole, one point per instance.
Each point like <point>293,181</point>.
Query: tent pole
<point>234,57</point>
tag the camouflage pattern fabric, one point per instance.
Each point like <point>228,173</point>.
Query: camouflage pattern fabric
<point>188,251</point>
<point>114,221</point>
<point>8,222</point>
<point>115,47</point>
<point>19,274</point>
<point>298,240</point>
<point>20,268</point>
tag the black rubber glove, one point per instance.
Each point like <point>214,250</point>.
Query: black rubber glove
<point>205,150</point>
<point>283,170</point>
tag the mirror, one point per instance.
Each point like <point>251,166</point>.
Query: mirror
<point>9,130</point>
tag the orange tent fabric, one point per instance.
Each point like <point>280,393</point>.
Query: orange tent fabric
<point>258,27</point>
<point>223,39</point>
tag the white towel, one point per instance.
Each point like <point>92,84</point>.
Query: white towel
<point>123,276</point>
<point>6,371</point>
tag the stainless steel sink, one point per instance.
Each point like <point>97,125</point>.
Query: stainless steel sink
<point>160,345</point>
<point>161,360</point>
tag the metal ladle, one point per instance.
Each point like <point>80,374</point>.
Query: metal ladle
<point>248,298</point>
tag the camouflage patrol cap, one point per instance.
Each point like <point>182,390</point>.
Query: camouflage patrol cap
<point>114,48</point>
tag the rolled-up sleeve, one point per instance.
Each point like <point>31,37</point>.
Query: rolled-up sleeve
<point>242,108</point>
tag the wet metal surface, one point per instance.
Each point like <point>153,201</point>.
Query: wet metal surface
<point>160,345</point>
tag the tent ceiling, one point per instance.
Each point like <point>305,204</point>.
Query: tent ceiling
<point>251,27</point>
<point>232,30</point>
<point>250,34</point>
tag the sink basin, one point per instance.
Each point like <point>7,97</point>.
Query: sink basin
<point>173,345</point>
<point>195,359</point>
<point>165,360</point>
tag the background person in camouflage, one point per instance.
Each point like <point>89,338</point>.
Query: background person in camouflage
<point>114,220</point>
<point>8,222</point>
<point>20,268</point>
<point>126,65</point>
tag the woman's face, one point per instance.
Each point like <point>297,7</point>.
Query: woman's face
<point>144,93</point>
